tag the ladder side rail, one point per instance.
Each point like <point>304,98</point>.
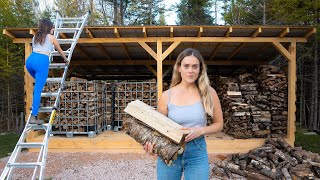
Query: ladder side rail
<point>85,18</point>
<point>16,149</point>
<point>57,100</point>
<point>38,161</point>
<point>45,150</point>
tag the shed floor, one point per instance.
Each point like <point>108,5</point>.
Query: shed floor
<point>119,142</point>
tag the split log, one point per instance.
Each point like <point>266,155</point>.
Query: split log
<point>156,120</point>
<point>166,149</point>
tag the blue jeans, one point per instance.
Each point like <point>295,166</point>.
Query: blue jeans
<point>38,67</point>
<point>193,162</point>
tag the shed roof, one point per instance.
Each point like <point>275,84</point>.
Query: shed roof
<point>118,52</point>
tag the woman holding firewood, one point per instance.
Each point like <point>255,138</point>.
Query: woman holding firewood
<point>188,101</point>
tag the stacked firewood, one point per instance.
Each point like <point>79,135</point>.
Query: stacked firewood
<point>125,92</point>
<point>235,111</point>
<point>273,86</point>
<point>260,115</point>
<point>274,160</point>
<point>81,107</point>
<point>253,104</point>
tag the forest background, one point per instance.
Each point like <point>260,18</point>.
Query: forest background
<point>26,13</point>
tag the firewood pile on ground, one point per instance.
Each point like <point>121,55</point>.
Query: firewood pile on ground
<point>274,160</point>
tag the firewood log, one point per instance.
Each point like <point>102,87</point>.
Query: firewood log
<point>163,146</point>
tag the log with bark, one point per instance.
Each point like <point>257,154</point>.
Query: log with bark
<point>166,149</point>
<point>274,160</point>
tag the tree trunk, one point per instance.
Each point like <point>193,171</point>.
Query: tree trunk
<point>115,13</point>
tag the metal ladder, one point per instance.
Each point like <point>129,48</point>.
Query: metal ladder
<point>73,27</point>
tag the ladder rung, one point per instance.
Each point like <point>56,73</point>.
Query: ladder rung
<point>54,80</point>
<point>24,165</point>
<point>31,145</point>
<point>38,126</point>
<point>67,30</point>
<point>75,19</point>
<point>45,109</point>
<point>65,41</point>
<point>56,53</point>
<point>57,65</point>
<point>49,94</point>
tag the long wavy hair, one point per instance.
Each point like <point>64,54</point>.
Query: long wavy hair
<point>202,82</point>
<point>44,28</point>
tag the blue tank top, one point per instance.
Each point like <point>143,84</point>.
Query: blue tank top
<point>47,46</point>
<point>187,116</point>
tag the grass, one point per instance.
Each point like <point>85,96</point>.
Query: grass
<point>307,142</point>
<point>7,143</point>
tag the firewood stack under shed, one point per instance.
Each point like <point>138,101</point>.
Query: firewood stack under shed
<point>274,160</point>
<point>81,108</point>
<point>273,85</point>
<point>254,104</point>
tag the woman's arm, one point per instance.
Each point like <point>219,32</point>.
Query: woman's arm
<point>58,48</point>
<point>163,103</point>
<point>217,116</point>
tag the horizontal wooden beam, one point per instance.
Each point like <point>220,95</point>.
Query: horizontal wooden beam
<point>181,39</point>
<point>6,32</point>
<point>165,62</point>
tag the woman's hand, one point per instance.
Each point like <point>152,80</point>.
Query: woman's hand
<point>194,133</point>
<point>148,147</point>
<point>66,61</point>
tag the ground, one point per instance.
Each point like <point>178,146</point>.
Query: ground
<point>97,166</point>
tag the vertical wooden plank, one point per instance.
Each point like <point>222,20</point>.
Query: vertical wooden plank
<point>292,78</point>
<point>28,88</point>
<point>159,67</point>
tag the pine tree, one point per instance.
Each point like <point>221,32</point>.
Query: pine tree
<point>191,12</point>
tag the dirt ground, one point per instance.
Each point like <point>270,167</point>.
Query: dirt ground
<point>84,165</point>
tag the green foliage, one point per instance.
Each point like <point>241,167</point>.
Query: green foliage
<point>191,12</point>
<point>7,143</point>
<point>77,8</point>
<point>144,12</point>
<point>270,12</point>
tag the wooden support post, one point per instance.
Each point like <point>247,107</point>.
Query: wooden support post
<point>290,55</point>
<point>28,88</point>
<point>155,120</point>
<point>292,78</point>
<point>159,67</point>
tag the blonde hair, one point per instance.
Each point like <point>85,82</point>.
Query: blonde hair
<point>202,82</point>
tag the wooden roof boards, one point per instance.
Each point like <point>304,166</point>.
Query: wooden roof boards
<point>99,47</point>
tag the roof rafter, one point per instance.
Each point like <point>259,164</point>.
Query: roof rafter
<point>236,50</point>
<point>99,45</point>
<point>214,51</point>
<point>116,33</point>
<point>81,50</point>
<point>284,32</point>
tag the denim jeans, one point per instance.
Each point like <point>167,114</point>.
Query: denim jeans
<point>193,162</point>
